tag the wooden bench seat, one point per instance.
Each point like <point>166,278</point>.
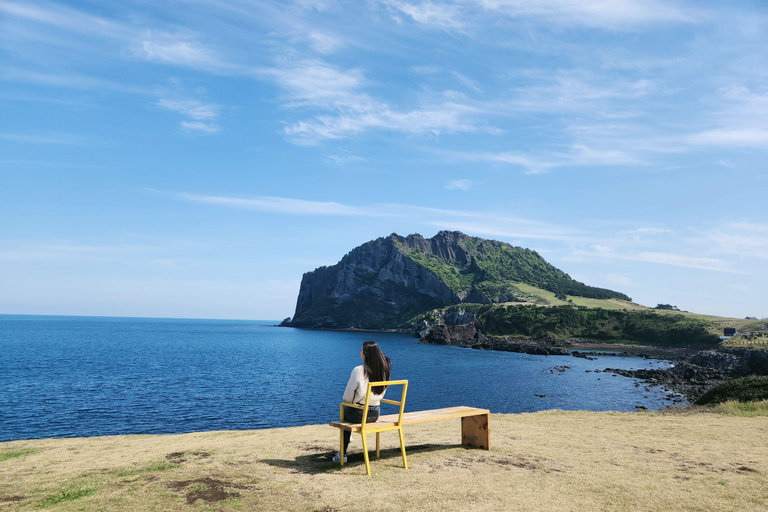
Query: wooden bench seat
<point>475,429</point>
<point>475,423</point>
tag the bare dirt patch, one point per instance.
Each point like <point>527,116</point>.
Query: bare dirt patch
<point>313,448</point>
<point>11,499</point>
<point>181,457</point>
<point>472,460</point>
<point>207,489</point>
<point>176,457</point>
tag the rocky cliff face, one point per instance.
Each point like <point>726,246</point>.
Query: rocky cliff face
<point>376,285</point>
<point>386,282</point>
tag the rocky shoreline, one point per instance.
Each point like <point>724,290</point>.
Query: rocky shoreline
<point>691,373</point>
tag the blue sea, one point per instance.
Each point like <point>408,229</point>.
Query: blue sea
<point>94,376</point>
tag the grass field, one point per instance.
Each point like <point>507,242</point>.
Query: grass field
<point>752,342</point>
<point>542,297</point>
<point>545,297</point>
<point>710,459</point>
<point>606,303</point>
<point>719,322</point>
<point>534,295</point>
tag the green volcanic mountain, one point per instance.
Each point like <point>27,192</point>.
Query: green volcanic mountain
<point>386,282</point>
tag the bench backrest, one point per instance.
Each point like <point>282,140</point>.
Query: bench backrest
<point>388,383</point>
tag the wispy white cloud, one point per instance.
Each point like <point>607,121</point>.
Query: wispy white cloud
<point>201,117</point>
<point>579,155</point>
<point>745,239</point>
<point>429,120</point>
<point>644,234</point>
<point>681,260</point>
<point>200,127</point>
<point>741,117</point>
<point>582,154</point>
<point>662,258</point>
<point>476,222</point>
<point>50,164</point>
<point>56,138</point>
<point>635,139</point>
<point>69,80</point>
<point>577,90</point>
<point>318,5</point>
<point>605,14</point>
<point>614,15</point>
<point>177,49</point>
<point>323,42</point>
<point>344,157</point>
<point>281,205</point>
<point>742,101</point>
<point>426,70</point>
<point>63,250</point>
<point>749,137</point>
<point>532,165</point>
<point>122,37</point>
<point>443,16</point>
<point>459,184</point>
<point>64,18</point>
<point>351,111</point>
<point>315,83</point>
<point>638,244</point>
<point>468,82</point>
<point>191,108</point>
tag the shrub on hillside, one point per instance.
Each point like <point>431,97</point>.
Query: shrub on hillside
<point>746,389</point>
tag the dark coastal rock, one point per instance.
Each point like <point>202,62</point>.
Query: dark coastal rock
<point>444,321</point>
<point>693,375</point>
<point>458,316</point>
<point>471,336</point>
<point>690,375</point>
<point>461,335</point>
<point>748,361</point>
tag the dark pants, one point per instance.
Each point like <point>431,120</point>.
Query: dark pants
<point>353,415</point>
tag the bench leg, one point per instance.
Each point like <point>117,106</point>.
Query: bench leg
<point>378,456</point>
<point>341,445</point>
<point>402,447</point>
<point>365,454</point>
<point>476,431</point>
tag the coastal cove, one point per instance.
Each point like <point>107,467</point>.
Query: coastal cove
<point>94,376</point>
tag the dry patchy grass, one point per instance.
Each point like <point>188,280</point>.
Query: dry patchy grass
<point>615,304</point>
<point>698,459</point>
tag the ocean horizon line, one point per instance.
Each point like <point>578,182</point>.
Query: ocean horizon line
<point>121,317</point>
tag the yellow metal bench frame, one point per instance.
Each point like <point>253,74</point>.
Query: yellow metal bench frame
<point>475,423</point>
<point>395,422</point>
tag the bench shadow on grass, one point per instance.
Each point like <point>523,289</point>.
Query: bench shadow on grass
<point>320,462</point>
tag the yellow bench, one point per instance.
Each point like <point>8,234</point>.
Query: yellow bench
<point>475,423</point>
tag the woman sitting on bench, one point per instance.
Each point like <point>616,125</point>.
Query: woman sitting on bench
<point>376,367</point>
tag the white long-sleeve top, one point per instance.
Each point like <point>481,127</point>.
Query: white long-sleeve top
<point>357,386</point>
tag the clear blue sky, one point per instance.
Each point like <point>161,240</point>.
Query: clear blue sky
<point>194,158</point>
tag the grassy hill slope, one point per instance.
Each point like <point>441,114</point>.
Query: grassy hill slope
<point>569,322</point>
<point>382,283</point>
<point>494,270</point>
<point>538,314</point>
<point>713,459</point>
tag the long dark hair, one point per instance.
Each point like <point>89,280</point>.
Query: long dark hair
<point>377,366</point>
